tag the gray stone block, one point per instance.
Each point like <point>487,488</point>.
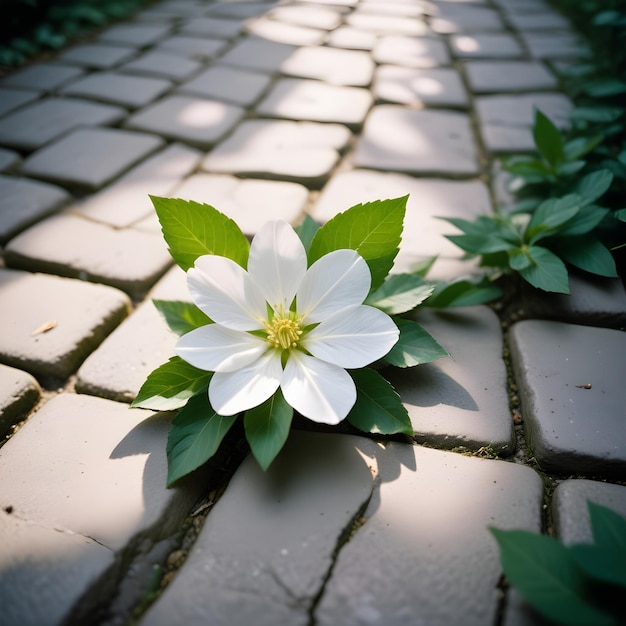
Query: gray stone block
<point>135,35</point>
<point>593,300</point>
<point>19,393</point>
<point>46,571</point>
<point>196,121</point>
<point>118,368</point>
<point>334,66</point>
<point>102,480</point>
<point>486,45</point>
<point>24,201</point>
<point>570,509</point>
<point>249,202</point>
<point>387,24</point>
<point>420,142</point>
<point>163,65</point>
<point>127,200</point>
<point>8,159</point>
<point>452,17</point>
<point>42,76</point>
<point>555,45</point>
<point>398,9</point>
<point>258,54</point>
<point>312,16</point>
<point>70,245</point>
<point>240,10</point>
<point>302,152</point>
<point>39,123</point>
<point>460,400</point>
<point>11,99</point>
<point>429,199</point>
<point>268,545</point>
<point>129,91</point>
<point>420,87</point>
<point>547,20</point>
<point>211,27</point>
<point>98,56</point>
<point>351,38</point>
<point>78,316</point>
<point>198,48</point>
<point>420,52</point>
<point>300,99</point>
<point>290,34</point>
<point>501,76</point>
<point>228,84</point>
<point>570,380</point>
<point>424,554</point>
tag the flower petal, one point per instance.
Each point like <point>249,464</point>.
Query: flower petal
<point>277,263</point>
<point>225,292</point>
<point>353,338</point>
<point>338,280</point>
<point>219,349</point>
<point>233,392</point>
<point>323,392</point>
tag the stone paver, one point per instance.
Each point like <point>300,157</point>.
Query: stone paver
<point>42,76</point>
<point>569,507</point>
<point>11,99</point>
<point>284,33</point>
<point>130,91</point>
<point>241,10</point>
<point>24,201</point>
<point>428,525</point>
<point>420,87</point>
<point>297,151</point>
<point>502,76</point>
<point>228,84</point>
<point>121,458</point>
<point>163,64</point>
<point>258,54</point>
<point>323,18</point>
<point>79,315</point>
<point>136,35</point>
<point>301,99</point>
<point>334,66</point>
<point>555,45</point>
<point>387,24</point>
<point>8,159</point>
<point>570,383</point>
<point>126,201</point>
<point>189,119</point>
<point>460,400</point>
<point>118,368</point>
<point>19,393</point>
<point>99,56</point>
<point>425,142</point>
<point>69,245</point>
<point>249,202</point>
<point>451,17</point>
<point>90,157</point>
<point>268,546</point>
<point>39,123</point>
<point>486,45</point>
<point>199,48</point>
<point>351,38</point>
<point>411,51</point>
<point>210,27</point>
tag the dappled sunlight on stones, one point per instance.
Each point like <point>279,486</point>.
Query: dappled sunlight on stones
<point>425,539</point>
<point>19,392</point>
<point>411,52</point>
<point>265,550</point>
<point>258,54</point>
<point>460,400</point>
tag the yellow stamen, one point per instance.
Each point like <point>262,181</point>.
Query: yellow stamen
<point>283,332</point>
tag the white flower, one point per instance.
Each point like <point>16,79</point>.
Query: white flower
<point>280,324</point>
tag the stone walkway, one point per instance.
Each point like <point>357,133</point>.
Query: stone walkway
<point>269,110</point>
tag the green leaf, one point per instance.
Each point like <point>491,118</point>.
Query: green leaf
<point>306,231</point>
<point>519,259</point>
<point>480,244</point>
<point>378,408</point>
<point>374,230</point>
<point>546,272</point>
<point>580,146</point>
<point>180,316</point>
<point>171,385</point>
<point>607,526</point>
<point>463,292</point>
<point>551,214</point>
<point>570,168</point>
<point>400,293</point>
<point>584,221</point>
<point>267,428</point>
<point>620,214</point>
<point>594,185</point>
<point>596,114</point>
<point>421,268</point>
<point>548,139</point>
<point>196,434</point>
<point>605,87</point>
<point>606,564</point>
<point>586,253</point>
<point>192,230</point>
<point>545,574</point>
<point>414,346</point>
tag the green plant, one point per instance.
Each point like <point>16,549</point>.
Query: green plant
<point>573,585</point>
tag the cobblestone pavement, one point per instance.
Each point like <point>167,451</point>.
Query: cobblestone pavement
<point>269,110</point>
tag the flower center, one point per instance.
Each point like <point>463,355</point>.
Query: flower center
<point>283,332</point>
